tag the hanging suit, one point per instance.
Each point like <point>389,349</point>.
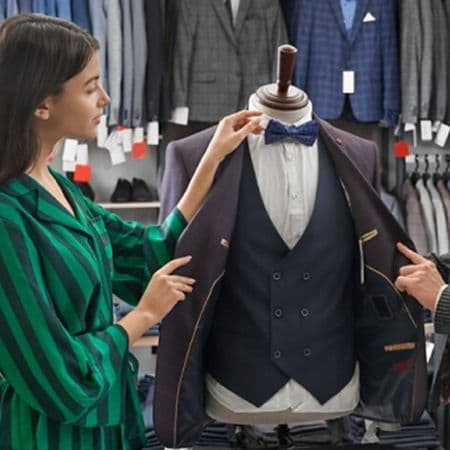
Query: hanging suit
<point>326,49</point>
<point>388,325</point>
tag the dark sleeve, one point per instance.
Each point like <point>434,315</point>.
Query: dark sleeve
<point>442,314</point>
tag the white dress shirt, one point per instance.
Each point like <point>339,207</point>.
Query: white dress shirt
<point>287,175</point>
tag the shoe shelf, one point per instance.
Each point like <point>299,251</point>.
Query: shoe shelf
<point>130,205</point>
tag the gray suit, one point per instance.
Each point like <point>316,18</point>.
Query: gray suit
<point>114,41</point>
<point>440,61</point>
<point>216,67</point>
<point>127,72</point>
<point>140,60</point>
<point>411,50</point>
<point>426,67</point>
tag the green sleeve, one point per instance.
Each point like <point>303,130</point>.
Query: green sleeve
<point>139,250</point>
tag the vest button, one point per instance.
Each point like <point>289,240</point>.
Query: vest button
<point>307,351</point>
<point>304,312</point>
<point>306,276</point>
<point>276,276</point>
<point>277,354</point>
<point>278,313</point>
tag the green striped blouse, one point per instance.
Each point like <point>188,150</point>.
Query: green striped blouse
<point>68,380</point>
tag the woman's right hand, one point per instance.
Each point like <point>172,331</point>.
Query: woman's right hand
<point>165,290</point>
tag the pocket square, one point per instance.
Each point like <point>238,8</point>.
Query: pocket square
<point>369,17</point>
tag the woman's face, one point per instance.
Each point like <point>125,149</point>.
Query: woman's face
<point>76,111</point>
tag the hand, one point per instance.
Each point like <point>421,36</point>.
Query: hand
<point>164,290</point>
<point>231,131</point>
<point>421,279</point>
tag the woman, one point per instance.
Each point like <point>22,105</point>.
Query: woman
<point>67,376</point>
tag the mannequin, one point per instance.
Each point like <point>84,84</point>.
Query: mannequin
<point>298,323</point>
<point>285,167</point>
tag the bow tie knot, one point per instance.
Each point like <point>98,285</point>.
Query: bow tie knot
<point>306,133</point>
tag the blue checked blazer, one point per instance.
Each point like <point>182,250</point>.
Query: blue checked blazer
<point>325,48</point>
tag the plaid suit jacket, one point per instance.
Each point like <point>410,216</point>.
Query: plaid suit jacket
<point>325,48</point>
<point>217,66</point>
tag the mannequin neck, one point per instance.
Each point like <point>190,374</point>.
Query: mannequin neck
<point>288,117</point>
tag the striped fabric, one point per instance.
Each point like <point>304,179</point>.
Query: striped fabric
<point>68,380</point>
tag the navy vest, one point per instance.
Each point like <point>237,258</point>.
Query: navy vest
<point>286,314</point>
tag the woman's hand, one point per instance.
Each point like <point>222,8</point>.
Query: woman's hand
<point>230,132</point>
<point>165,290</point>
<point>421,279</point>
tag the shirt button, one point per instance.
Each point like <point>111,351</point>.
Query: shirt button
<point>294,195</point>
<point>307,351</point>
<point>277,354</point>
<point>290,157</point>
<point>276,276</point>
<point>306,276</point>
<point>278,313</point>
<point>304,312</point>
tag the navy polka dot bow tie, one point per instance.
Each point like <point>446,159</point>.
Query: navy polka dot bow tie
<point>306,133</point>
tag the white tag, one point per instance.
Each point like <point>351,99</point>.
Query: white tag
<point>426,133</point>
<point>410,159</point>
<point>153,133</point>
<point>412,127</point>
<point>102,131</point>
<point>180,115</point>
<point>429,347</point>
<point>442,135</point>
<point>68,166</point>
<point>348,82</point>
<point>127,139</point>
<point>138,134</point>
<point>117,155</point>
<point>369,17</point>
<point>70,150</point>
<point>82,154</point>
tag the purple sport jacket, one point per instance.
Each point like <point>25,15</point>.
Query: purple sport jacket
<point>389,324</point>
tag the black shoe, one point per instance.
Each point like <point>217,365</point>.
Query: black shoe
<point>122,191</point>
<point>140,191</point>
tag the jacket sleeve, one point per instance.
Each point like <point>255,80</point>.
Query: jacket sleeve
<point>183,49</point>
<point>391,69</point>
<point>442,314</point>
<point>174,182</point>
<point>138,250</point>
<point>61,375</point>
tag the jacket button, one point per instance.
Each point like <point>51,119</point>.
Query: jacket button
<point>339,141</point>
<point>278,313</point>
<point>304,312</point>
<point>306,276</point>
<point>276,276</point>
<point>307,351</point>
<point>277,354</point>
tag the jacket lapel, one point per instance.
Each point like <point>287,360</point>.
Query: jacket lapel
<point>244,6</point>
<point>361,10</point>
<point>224,19</point>
<point>336,7</point>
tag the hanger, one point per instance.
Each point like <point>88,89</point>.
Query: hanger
<point>426,174</point>
<point>437,175</point>
<point>415,174</point>
<point>446,175</point>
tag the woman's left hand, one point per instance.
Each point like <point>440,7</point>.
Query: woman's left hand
<point>231,131</point>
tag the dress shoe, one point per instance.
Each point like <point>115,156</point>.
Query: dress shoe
<point>122,191</point>
<point>140,191</point>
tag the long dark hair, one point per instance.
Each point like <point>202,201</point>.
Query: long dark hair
<point>38,54</point>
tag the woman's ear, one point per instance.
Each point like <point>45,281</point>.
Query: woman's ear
<point>42,111</point>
